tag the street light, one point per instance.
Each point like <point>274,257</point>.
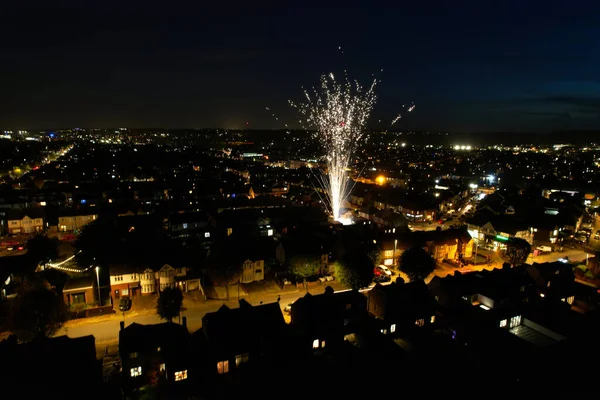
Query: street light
<point>98,278</point>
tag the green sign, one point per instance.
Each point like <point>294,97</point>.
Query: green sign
<point>503,238</point>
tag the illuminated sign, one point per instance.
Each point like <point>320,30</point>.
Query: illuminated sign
<point>503,238</point>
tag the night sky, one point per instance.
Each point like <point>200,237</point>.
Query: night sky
<point>476,66</point>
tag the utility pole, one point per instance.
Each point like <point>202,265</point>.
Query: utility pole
<point>98,279</point>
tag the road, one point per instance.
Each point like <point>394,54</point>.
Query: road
<point>106,329</point>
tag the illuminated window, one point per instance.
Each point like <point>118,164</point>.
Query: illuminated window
<point>223,367</point>
<point>388,253</point>
<point>229,231</point>
<point>241,359</point>
<point>133,355</point>
<point>432,319</point>
<point>136,371</point>
<point>392,328</point>
<point>420,322</point>
<point>323,344</point>
<point>503,323</point>
<point>206,234</point>
<point>270,232</point>
<point>570,299</point>
<point>515,321</point>
<point>384,331</point>
<point>181,375</point>
<point>388,261</point>
<point>162,367</point>
<point>316,344</point>
<point>185,226</point>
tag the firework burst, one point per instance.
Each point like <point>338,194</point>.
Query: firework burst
<point>338,111</point>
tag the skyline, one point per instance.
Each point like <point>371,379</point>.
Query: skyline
<point>475,68</point>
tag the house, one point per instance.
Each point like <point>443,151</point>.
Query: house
<point>82,291</point>
<point>30,220</point>
<point>402,307</point>
<point>389,219</point>
<point>249,255</point>
<point>190,223</point>
<point>248,335</point>
<point>48,360</point>
<point>496,229</point>
<point>554,281</point>
<point>74,219</point>
<point>322,321</point>
<point>129,280</point>
<point>153,355</point>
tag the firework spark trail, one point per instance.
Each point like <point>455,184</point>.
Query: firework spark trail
<point>399,116</point>
<point>339,112</point>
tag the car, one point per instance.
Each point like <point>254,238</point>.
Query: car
<point>288,308</point>
<point>125,304</point>
<point>564,259</point>
<point>383,269</point>
<point>381,278</point>
<point>544,249</point>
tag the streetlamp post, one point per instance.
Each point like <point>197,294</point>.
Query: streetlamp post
<point>394,257</point>
<point>98,279</point>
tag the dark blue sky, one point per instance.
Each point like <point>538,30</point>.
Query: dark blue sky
<point>468,65</point>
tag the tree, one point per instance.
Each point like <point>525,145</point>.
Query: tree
<point>37,312</point>
<point>99,243</point>
<point>40,249</point>
<point>416,263</point>
<point>169,303</point>
<point>517,251</point>
<point>304,266</point>
<point>355,270</point>
<point>375,255</point>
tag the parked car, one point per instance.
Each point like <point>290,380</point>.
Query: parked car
<point>125,304</point>
<point>382,269</point>
<point>381,278</point>
<point>545,249</point>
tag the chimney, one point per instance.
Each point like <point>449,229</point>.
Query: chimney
<point>122,324</point>
<point>184,321</point>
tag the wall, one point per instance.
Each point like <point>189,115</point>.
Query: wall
<point>90,296</point>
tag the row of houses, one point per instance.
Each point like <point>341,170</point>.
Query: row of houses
<point>534,312</point>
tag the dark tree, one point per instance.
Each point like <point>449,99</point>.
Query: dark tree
<point>169,302</point>
<point>416,263</point>
<point>36,312</point>
<point>99,243</point>
<point>355,270</point>
<point>375,255</point>
<point>517,251</point>
<point>40,250</point>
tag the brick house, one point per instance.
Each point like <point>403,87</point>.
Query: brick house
<point>80,291</point>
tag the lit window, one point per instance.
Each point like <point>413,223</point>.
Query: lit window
<point>384,331</point>
<point>388,253</point>
<point>206,234</point>
<point>270,232</point>
<point>223,367</point>
<point>420,322</point>
<point>241,359</point>
<point>503,323</point>
<point>432,319</point>
<point>229,231</point>
<point>522,288</point>
<point>136,371</point>
<point>316,344</point>
<point>388,261</point>
<point>323,344</point>
<point>515,321</point>
<point>180,375</point>
<point>162,367</point>
<point>570,299</point>
<point>133,355</point>
<point>184,226</point>
<point>392,328</point>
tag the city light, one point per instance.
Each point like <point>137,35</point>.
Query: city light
<point>380,179</point>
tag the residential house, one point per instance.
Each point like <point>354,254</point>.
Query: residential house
<point>153,355</point>
<point>389,219</point>
<point>554,281</point>
<point>190,223</point>
<point>402,307</point>
<point>81,291</point>
<point>48,360</point>
<point>129,280</point>
<point>28,221</point>
<point>322,321</point>
<point>495,230</point>
<point>74,219</point>
<point>453,245</point>
<point>236,337</point>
